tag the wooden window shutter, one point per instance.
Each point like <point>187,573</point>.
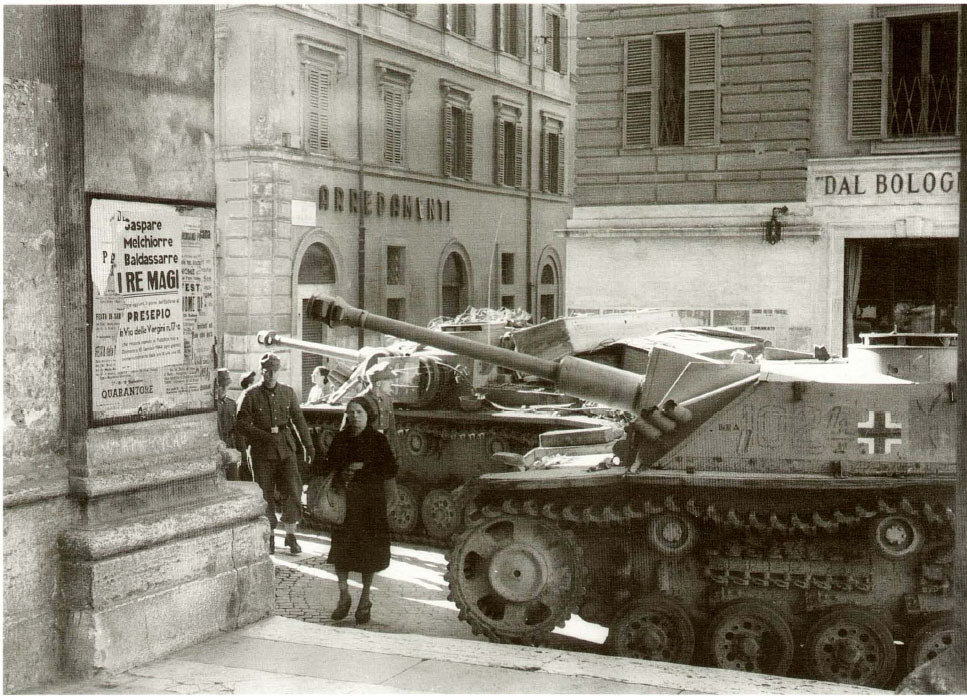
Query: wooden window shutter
<point>639,88</point>
<point>498,152</point>
<point>447,140</point>
<point>545,160</point>
<point>562,44</point>
<point>866,80</point>
<point>701,86</point>
<point>521,27</point>
<point>498,28</point>
<point>468,145</point>
<point>560,163</point>
<point>549,37</point>
<point>317,110</point>
<point>393,126</point>
<point>518,155</point>
<point>471,21</point>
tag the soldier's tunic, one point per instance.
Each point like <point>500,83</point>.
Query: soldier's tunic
<point>274,454</point>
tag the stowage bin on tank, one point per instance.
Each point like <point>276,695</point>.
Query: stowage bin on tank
<point>776,513</point>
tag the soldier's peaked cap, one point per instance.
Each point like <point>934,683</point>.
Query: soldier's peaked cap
<point>270,360</point>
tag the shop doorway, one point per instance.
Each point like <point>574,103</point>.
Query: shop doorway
<point>317,276</point>
<point>907,285</point>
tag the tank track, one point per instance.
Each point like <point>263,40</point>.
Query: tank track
<point>731,519</point>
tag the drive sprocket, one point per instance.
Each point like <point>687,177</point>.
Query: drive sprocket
<point>515,578</point>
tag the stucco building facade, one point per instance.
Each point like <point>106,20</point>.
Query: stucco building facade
<point>410,158</point>
<point>701,127</point>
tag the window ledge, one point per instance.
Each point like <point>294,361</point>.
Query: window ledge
<point>914,145</point>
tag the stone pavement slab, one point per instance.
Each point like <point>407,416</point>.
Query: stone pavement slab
<point>281,655</point>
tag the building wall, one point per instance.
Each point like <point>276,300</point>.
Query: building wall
<point>112,534</point>
<point>148,69</point>
<point>765,94</point>
<point>688,223</point>
<point>269,185</point>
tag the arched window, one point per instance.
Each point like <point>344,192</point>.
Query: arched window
<point>317,267</point>
<point>317,275</point>
<point>454,297</point>
<point>547,292</point>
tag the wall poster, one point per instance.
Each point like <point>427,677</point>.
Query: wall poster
<point>153,283</point>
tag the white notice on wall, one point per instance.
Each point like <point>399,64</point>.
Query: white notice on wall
<point>304,213</point>
<point>147,277</point>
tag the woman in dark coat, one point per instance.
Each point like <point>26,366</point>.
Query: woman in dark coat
<point>365,465</point>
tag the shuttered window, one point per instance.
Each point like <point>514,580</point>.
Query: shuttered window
<point>508,153</point>
<point>867,83</point>
<point>457,142</point>
<point>510,22</point>
<point>701,87</point>
<point>638,91</point>
<point>317,89</point>
<point>393,125</point>
<point>460,19</point>
<point>552,161</point>
<point>683,107</point>
<point>555,42</point>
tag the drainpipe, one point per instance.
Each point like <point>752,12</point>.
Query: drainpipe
<point>360,184</point>
<point>529,225</point>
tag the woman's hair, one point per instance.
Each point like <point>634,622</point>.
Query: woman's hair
<point>320,371</point>
<point>369,407</point>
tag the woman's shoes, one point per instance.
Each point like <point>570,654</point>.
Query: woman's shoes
<point>342,608</point>
<point>362,612</point>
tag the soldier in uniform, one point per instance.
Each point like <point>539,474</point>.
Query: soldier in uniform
<point>266,417</point>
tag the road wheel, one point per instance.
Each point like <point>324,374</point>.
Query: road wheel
<point>515,578</point>
<point>751,636</point>
<point>440,514</point>
<point>405,514</point>
<point>653,628</point>
<point>928,642</point>
<point>850,645</point>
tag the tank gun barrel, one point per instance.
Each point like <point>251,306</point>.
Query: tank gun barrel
<point>581,378</point>
<point>271,338</point>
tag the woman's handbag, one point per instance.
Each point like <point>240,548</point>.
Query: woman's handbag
<point>326,500</point>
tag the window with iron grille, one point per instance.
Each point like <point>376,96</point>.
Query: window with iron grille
<point>395,265</point>
<point>507,268</point>
<point>457,131</point>
<point>671,89</point>
<point>903,78</point>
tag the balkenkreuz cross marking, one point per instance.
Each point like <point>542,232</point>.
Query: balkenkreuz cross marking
<point>879,433</point>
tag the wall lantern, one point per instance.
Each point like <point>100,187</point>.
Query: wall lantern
<point>773,231</point>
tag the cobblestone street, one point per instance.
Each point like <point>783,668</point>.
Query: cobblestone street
<point>408,597</point>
